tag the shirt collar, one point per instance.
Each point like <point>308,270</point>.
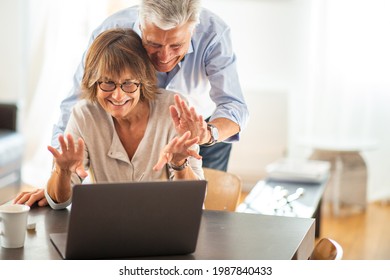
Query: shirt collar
<point>137,28</point>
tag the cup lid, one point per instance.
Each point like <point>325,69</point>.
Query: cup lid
<point>14,208</point>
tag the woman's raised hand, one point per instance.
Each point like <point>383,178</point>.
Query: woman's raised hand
<point>70,158</point>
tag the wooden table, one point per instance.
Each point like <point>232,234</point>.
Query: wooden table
<point>223,235</point>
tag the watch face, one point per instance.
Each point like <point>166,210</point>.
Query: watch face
<point>214,132</point>
<point>214,135</point>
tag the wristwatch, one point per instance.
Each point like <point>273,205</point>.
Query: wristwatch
<point>214,135</point>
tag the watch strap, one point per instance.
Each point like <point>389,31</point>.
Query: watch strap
<point>212,141</point>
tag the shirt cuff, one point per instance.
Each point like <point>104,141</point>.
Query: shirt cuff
<point>233,138</point>
<point>54,205</point>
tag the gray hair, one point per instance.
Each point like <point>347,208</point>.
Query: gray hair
<point>168,14</point>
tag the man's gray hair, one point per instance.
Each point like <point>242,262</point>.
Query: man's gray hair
<point>167,14</point>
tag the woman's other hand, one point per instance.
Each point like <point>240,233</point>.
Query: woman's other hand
<point>177,150</point>
<point>31,197</point>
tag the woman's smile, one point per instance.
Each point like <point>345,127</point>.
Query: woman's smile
<point>118,103</point>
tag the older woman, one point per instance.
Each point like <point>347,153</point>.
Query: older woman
<point>123,125</point>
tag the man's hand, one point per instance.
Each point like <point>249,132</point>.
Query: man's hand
<point>186,119</point>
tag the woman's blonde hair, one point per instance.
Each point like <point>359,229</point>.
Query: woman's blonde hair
<point>113,53</point>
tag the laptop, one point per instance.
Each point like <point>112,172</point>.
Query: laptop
<point>128,220</point>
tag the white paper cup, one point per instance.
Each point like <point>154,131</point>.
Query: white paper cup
<point>13,224</point>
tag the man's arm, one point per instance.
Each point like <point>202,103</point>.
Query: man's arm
<point>226,129</point>
<point>66,107</point>
<point>231,114</point>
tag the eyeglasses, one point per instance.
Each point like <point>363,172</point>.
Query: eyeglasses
<point>127,87</point>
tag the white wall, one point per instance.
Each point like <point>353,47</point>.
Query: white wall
<point>12,50</point>
<point>265,138</point>
<point>269,40</point>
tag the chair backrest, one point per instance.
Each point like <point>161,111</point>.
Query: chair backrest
<point>327,249</point>
<point>223,190</point>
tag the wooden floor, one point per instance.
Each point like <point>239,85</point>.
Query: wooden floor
<point>364,235</point>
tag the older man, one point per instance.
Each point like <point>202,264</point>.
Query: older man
<point>191,50</point>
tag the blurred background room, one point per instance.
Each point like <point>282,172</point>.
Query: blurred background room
<point>315,75</point>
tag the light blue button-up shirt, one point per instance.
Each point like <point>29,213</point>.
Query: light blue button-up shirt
<point>207,75</point>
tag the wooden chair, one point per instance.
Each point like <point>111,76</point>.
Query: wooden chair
<point>223,190</point>
<point>327,249</point>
